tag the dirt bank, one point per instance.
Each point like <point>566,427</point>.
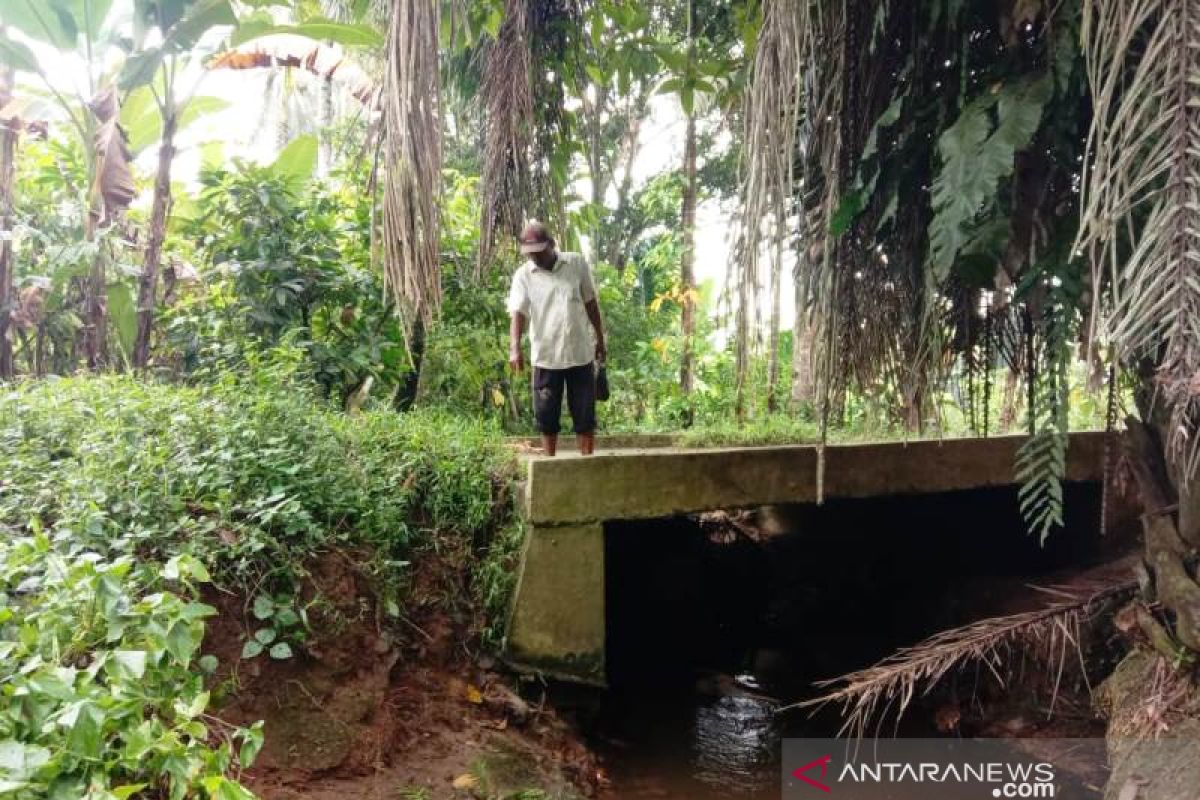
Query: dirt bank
<point>1153,730</point>
<point>368,708</point>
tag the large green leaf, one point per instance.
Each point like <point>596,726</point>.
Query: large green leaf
<point>85,722</point>
<point>297,160</point>
<point>143,122</point>
<point>200,107</point>
<point>163,13</point>
<point>45,21</point>
<point>57,22</point>
<point>975,158</point>
<point>321,30</point>
<point>141,119</point>
<point>847,211</point>
<point>17,55</point>
<point>89,15</point>
<point>123,312</point>
<point>200,18</point>
<point>140,68</point>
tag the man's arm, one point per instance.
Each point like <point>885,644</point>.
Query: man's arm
<point>516,329</point>
<point>591,304</point>
<point>518,310</point>
<point>593,312</point>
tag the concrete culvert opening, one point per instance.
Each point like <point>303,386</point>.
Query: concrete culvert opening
<point>714,622</point>
<point>795,593</point>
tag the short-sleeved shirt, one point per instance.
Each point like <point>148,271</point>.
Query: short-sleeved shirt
<point>560,334</point>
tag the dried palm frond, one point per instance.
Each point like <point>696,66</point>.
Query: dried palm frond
<point>412,159</point>
<point>772,112</point>
<point>891,684</point>
<point>1141,216</point>
<point>508,105</point>
<point>300,53</point>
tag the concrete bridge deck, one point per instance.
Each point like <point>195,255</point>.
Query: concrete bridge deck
<point>557,624</point>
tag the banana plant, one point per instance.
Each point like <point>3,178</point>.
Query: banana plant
<point>88,30</point>
<point>157,107</point>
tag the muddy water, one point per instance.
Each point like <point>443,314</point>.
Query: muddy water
<point>710,638</point>
<point>689,744</point>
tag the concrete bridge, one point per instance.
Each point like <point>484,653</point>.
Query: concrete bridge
<point>557,624</point>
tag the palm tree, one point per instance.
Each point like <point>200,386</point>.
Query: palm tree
<point>8,146</point>
<point>939,156</point>
<point>1141,232</point>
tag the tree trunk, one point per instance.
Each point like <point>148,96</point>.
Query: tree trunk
<point>406,396</point>
<point>1166,509</point>
<point>8,149</point>
<point>803,383</point>
<point>1170,522</point>
<point>1010,400</point>
<point>687,279</point>
<point>95,329</point>
<point>326,134</point>
<point>619,247</point>
<point>593,112</point>
<point>741,364</point>
<point>773,346</point>
<point>159,211</point>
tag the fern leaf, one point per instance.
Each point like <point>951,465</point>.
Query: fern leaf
<point>975,157</point>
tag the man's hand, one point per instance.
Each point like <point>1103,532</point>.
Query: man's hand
<point>601,352</point>
<point>516,360</point>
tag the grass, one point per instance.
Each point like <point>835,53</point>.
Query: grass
<point>252,477</point>
<point>120,497</point>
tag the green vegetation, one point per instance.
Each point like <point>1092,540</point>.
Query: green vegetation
<point>228,349</point>
<point>102,693</point>
<point>122,498</point>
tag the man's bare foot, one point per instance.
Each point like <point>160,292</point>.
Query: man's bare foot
<point>587,443</point>
<point>549,443</point>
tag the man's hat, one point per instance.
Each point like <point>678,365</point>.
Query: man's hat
<point>534,239</point>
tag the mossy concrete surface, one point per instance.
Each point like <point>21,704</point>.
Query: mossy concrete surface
<point>557,625</point>
<point>646,484</point>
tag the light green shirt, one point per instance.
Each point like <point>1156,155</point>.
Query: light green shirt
<point>560,334</point>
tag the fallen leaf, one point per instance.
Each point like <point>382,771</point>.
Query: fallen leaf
<point>474,695</point>
<point>469,781</point>
<point>1132,788</point>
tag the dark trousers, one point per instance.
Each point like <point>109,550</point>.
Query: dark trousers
<point>580,385</point>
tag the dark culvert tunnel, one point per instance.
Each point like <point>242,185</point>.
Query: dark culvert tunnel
<point>711,629</point>
<point>823,589</point>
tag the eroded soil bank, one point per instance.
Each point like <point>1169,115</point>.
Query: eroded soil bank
<point>370,710</point>
<point>732,618</point>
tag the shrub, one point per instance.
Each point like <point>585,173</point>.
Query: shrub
<point>118,497</point>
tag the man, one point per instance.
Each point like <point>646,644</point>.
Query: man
<point>553,294</point>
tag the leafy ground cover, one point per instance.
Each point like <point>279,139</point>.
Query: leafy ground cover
<point>121,500</point>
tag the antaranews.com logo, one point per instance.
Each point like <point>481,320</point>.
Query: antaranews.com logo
<point>900,769</point>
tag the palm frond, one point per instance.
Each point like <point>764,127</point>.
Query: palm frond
<point>508,106</point>
<point>772,113</point>
<point>1053,632</point>
<point>298,53</point>
<point>1140,222</point>
<point>412,158</point>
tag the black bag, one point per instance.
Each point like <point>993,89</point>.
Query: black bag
<point>601,382</point>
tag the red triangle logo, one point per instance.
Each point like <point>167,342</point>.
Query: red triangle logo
<point>823,763</point>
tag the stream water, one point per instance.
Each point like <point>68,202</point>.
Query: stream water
<point>710,637</point>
